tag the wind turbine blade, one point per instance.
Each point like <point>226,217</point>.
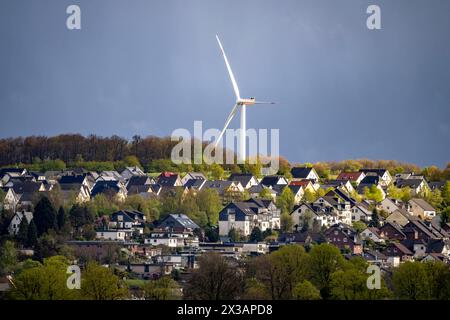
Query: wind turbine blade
<point>264,102</point>
<point>233,80</point>
<point>230,117</point>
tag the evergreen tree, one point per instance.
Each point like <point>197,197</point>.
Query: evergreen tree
<point>32,234</point>
<point>44,216</point>
<point>256,235</point>
<point>375,219</point>
<point>22,234</point>
<point>61,218</point>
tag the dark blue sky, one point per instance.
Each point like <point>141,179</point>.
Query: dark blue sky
<point>149,67</point>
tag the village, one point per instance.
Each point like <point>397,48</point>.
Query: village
<point>385,219</point>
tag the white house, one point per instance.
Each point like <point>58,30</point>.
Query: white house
<point>118,234</point>
<point>421,208</point>
<point>13,227</point>
<point>372,234</point>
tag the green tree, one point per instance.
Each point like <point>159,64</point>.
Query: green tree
<point>209,202</point>
<point>215,279</point>
<point>256,235</point>
<point>438,275</point>
<point>373,193</point>
<point>44,282</point>
<point>324,259</point>
<point>445,216</point>
<point>32,234</point>
<point>265,194</point>
<point>286,222</point>
<point>8,257</point>
<point>61,218</point>
<point>286,200</point>
<point>281,270</point>
<point>305,290</point>
<point>44,216</point>
<point>217,171</point>
<point>164,288</point>
<point>22,234</point>
<point>410,281</point>
<point>359,226</point>
<point>309,196</point>
<point>99,283</point>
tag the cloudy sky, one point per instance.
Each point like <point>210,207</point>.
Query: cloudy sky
<point>149,67</point>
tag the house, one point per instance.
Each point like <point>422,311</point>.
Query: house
<point>247,180</point>
<point>400,217</point>
<point>298,192</point>
<point>110,188</point>
<point>437,185</point>
<point>114,234</point>
<point>14,225</point>
<point>225,188</point>
<point>255,191</point>
<point>436,257</point>
<point>11,199</point>
<point>344,237</point>
<point>314,214</point>
<point>368,181</point>
<point>422,209</point>
<point>169,179</point>
<point>308,173</point>
<point>195,184</point>
<point>374,257</point>
<point>76,187</point>
<point>392,231</point>
<point>418,229</point>
<point>395,249</point>
<point>336,204</point>
<point>273,181</point>
<point>361,212</point>
<point>129,172</point>
<point>128,219</point>
<point>243,216</point>
<point>110,176</point>
<point>172,239</point>
<point>373,234</point>
<point>441,246</point>
<point>139,183</point>
<point>28,191</point>
<point>417,186</point>
<point>383,174</point>
<point>389,205</point>
<point>192,176</point>
<point>353,177</point>
<point>343,184</point>
<point>178,222</point>
<point>305,184</point>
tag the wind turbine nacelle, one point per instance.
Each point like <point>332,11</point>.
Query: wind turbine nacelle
<point>247,102</point>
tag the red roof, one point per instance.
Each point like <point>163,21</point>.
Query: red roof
<point>302,183</point>
<point>352,176</point>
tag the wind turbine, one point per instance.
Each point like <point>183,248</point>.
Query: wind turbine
<point>239,104</point>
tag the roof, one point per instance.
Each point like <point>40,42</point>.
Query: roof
<point>423,204</point>
<point>78,179</point>
<point>370,180</point>
<point>377,171</point>
<point>104,186</point>
<point>271,180</point>
<point>195,183</point>
<point>178,221</point>
<point>412,183</point>
<point>167,179</point>
<point>26,187</point>
<point>303,183</point>
<point>139,181</point>
<point>401,248</point>
<point>243,178</point>
<point>352,176</point>
<point>301,172</point>
<point>436,184</point>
